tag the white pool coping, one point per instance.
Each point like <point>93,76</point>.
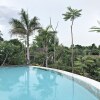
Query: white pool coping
<point>91,84</point>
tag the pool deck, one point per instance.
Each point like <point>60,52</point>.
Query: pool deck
<point>91,85</point>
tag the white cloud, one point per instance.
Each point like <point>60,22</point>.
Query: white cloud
<point>6,13</point>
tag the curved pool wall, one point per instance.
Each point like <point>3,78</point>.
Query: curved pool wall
<point>91,85</point>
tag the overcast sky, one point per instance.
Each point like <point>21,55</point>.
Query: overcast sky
<point>44,9</point>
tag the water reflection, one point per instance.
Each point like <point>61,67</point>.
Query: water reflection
<point>23,88</point>
<point>46,84</point>
<point>12,83</point>
<point>26,84</point>
<point>9,77</point>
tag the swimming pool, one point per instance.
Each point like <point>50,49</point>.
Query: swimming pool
<point>30,83</point>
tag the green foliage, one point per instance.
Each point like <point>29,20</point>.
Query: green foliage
<point>71,14</point>
<point>11,54</point>
<point>1,39</point>
<point>43,46</point>
<point>85,62</point>
<point>86,59</point>
<point>95,28</point>
<point>24,27</point>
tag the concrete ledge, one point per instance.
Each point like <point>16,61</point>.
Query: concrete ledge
<point>91,85</point>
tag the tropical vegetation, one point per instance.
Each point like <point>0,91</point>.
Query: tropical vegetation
<point>24,27</point>
<point>45,49</point>
<point>71,15</point>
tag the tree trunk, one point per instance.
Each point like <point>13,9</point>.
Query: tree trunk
<point>26,49</point>
<point>46,49</point>
<point>28,53</point>
<point>4,60</point>
<point>54,48</point>
<point>72,58</point>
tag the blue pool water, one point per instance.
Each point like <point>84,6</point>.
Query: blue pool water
<point>27,83</point>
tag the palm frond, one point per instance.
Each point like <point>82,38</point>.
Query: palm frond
<point>17,27</point>
<point>34,24</point>
<point>95,29</point>
<point>24,18</point>
<point>24,25</point>
<point>48,27</point>
<point>72,14</point>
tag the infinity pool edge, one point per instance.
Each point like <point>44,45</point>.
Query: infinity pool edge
<point>90,84</point>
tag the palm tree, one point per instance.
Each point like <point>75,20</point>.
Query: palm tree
<point>24,27</point>
<point>71,15</point>
<point>46,37</point>
<point>55,38</point>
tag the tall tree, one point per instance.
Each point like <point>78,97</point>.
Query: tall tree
<point>55,38</point>
<point>45,41</point>
<point>71,15</point>
<point>24,27</point>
